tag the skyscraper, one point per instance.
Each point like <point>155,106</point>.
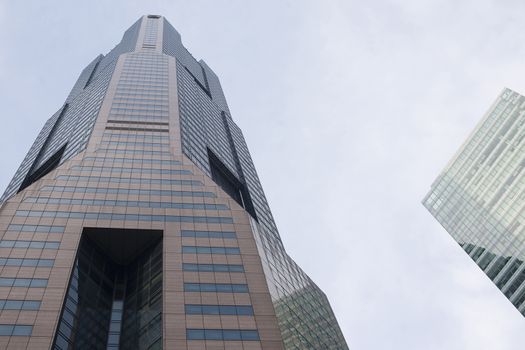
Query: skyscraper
<point>479,197</point>
<point>137,220</point>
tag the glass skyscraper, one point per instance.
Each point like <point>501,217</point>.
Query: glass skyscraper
<point>137,220</point>
<point>479,197</point>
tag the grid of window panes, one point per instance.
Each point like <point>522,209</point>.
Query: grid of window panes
<point>306,322</point>
<point>29,248</point>
<point>126,203</point>
<point>85,78</point>
<point>237,310</point>
<point>221,271</point>
<point>214,86</point>
<point>112,306</point>
<point>131,217</point>
<point>172,46</point>
<point>77,123</point>
<point>136,142</point>
<point>222,334</point>
<point>87,309</point>
<point>27,262</point>
<point>480,196</point>
<point>150,35</point>
<point>117,310</point>
<point>84,101</point>
<point>142,90</point>
<point>127,191</point>
<point>23,282</point>
<point>127,44</point>
<point>120,180</point>
<point>142,317</point>
<point>14,330</point>
<point>128,170</point>
<point>201,124</point>
<point>10,304</point>
<point>204,124</point>
<point>29,159</point>
<point>71,126</point>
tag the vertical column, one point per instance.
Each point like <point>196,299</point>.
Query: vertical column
<point>103,114</point>
<point>142,32</point>
<point>150,35</point>
<point>174,114</point>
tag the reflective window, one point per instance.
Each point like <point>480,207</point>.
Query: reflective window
<point>7,304</point>
<point>222,334</point>
<point>26,262</point>
<point>116,169</point>
<point>213,267</point>
<point>120,180</point>
<point>131,217</point>
<point>208,234</point>
<point>133,160</point>
<point>30,244</point>
<point>211,250</point>
<point>240,310</point>
<point>121,203</point>
<point>127,191</point>
<point>216,287</point>
<point>23,282</point>
<point>15,330</point>
<point>36,228</point>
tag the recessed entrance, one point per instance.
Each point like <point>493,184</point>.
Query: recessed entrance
<point>114,297</point>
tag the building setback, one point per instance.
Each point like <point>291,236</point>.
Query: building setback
<point>137,220</point>
<point>479,197</point>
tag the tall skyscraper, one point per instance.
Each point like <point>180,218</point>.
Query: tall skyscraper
<point>479,197</point>
<point>137,220</point>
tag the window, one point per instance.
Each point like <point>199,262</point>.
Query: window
<point>230,184</point>
<point>15,330</point>
<point>133,217</point>
<point>121,203</point>
<point>48,166</point>
<point>19,304</point>
<point>119,180</point>
<point>211,250</point>
<point>126,191</point>
<point>36,228</point>
<point>113,275</point>
<point>216,287</point>
<point>208,234</point>
<point>27,262</point>
<point>29,244</point>
<point>213,267</point>
<point>239,310</point>
<point>23,282</point>
<point>222,334</point>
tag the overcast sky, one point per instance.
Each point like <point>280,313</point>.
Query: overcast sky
<point>350,110</point>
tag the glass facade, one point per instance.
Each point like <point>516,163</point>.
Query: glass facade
<point>480,195</point>
<point>206,125</point>
<point>70,129</point>
<point>113,304</point>
<point>145,149</point>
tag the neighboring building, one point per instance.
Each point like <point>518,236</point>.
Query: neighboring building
<point>480,196</point>
<point>137,220</point>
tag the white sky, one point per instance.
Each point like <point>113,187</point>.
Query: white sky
<point>350,109</point>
